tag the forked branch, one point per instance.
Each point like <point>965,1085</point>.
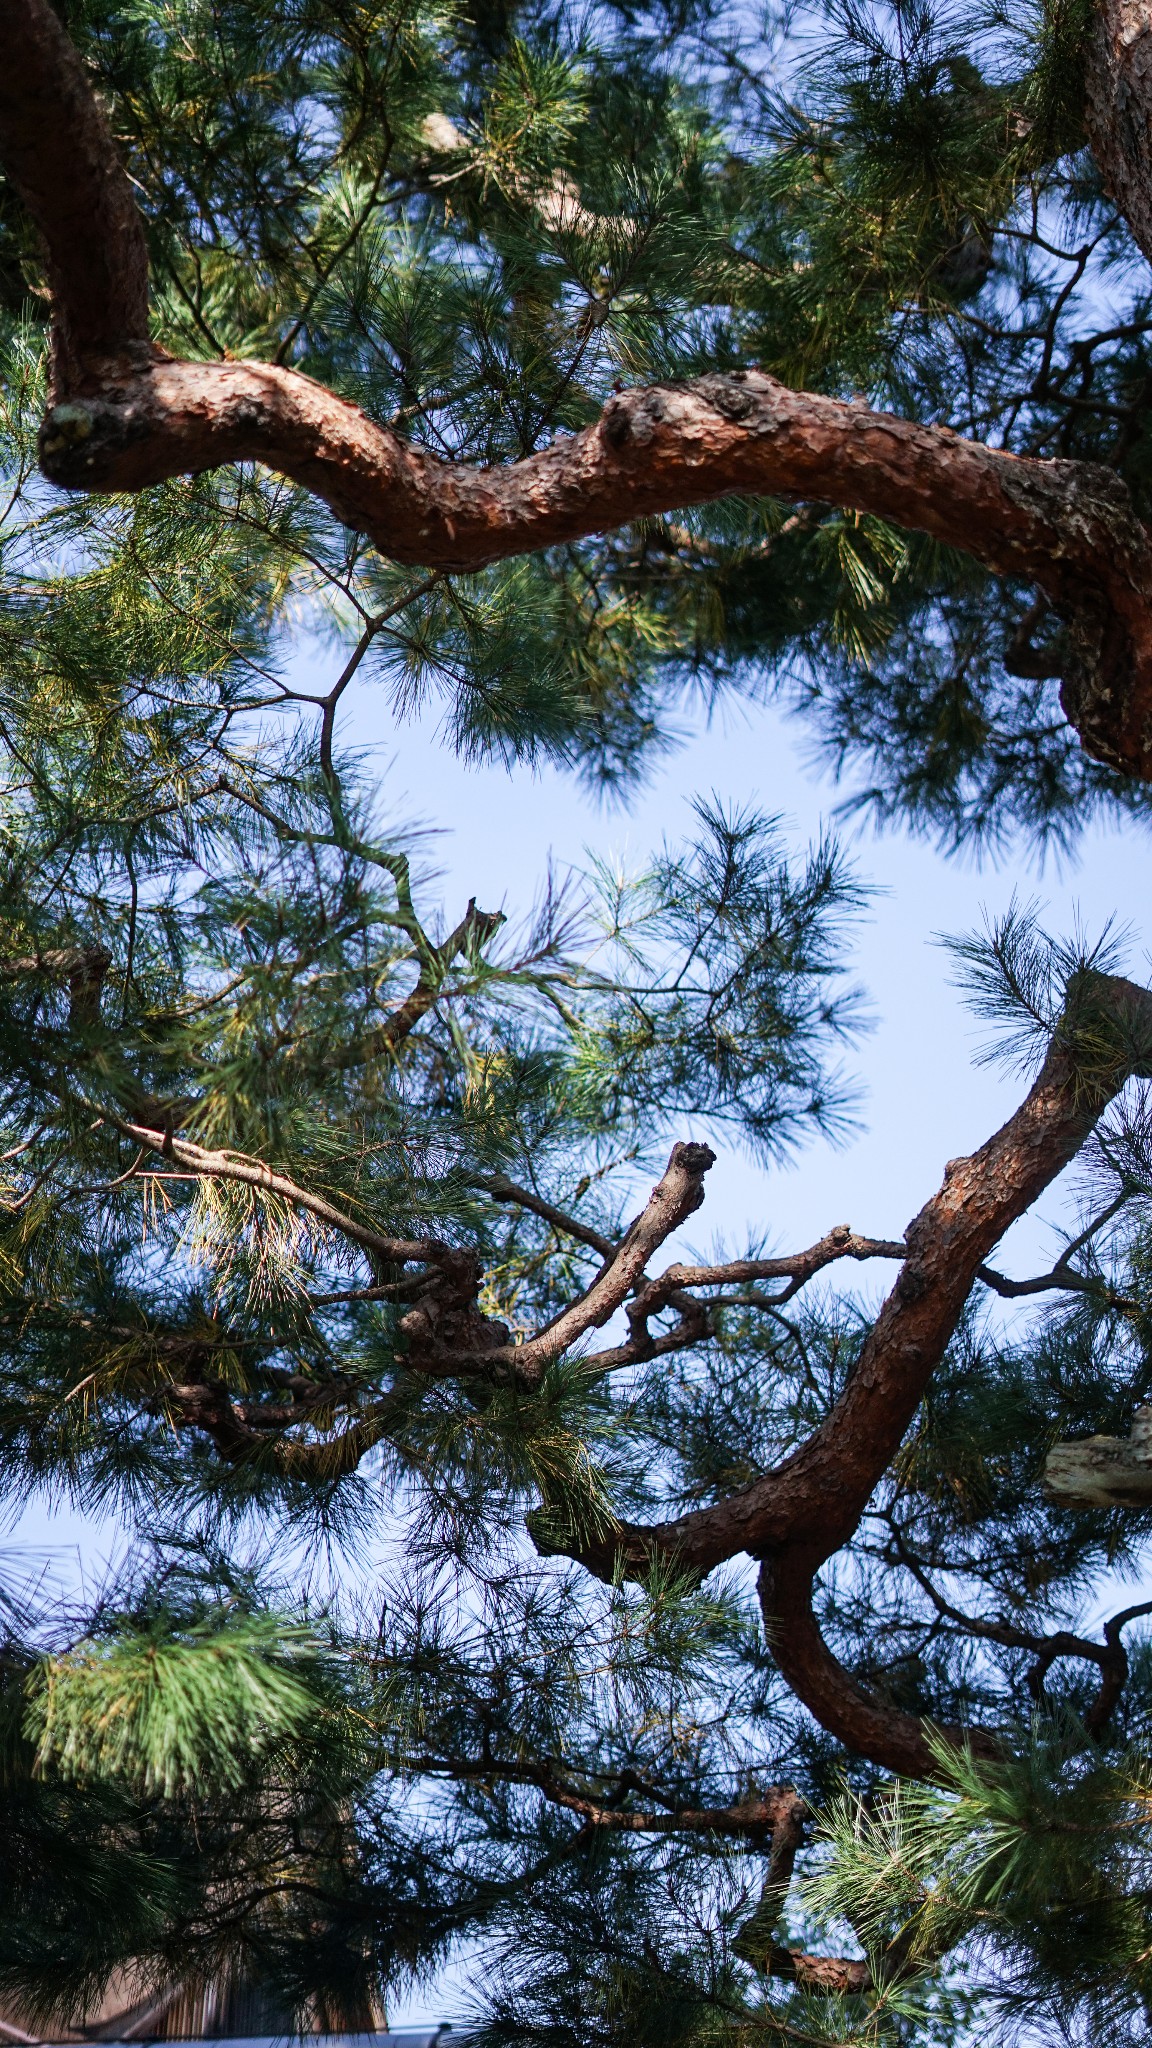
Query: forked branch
<point>798,1515</point>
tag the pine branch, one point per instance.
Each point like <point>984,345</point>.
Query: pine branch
<point>203,1161</point>
<point>84,968</point>
<point>1063,1274</point>
<point>1109,1655</point>
<point>124,416</point>
<point>502,1189</point>
<point>798,1515</point>
<point>472,933</point>
<point>757,1818</point>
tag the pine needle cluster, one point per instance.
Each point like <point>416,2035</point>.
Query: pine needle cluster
<point>280,1135</point>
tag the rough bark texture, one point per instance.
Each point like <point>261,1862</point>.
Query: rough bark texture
<point>124,416</point>
<point>57,150</point>
<point>1068,527</point>
<point>1118,109</point>
<point>813,1501</point>
<point>797,1516</point>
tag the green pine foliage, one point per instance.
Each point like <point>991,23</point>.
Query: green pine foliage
<point>476,221</point>
<point>1036,1871</point>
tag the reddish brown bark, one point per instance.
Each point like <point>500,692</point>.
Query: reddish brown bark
<point>124,417</point>
<point>861,1720</point>
<point>1118,109</point>
<point>1066,526</point>
<point>812,1503</point>
<point>797,1516</point>
<point>56,148</point>
<point>676,1196</point>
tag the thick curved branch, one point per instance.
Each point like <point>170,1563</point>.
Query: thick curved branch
<point>1068,527</point>
<point>814,1500</point>
<point>797,1516</point>
<point>121,420</point>
<point>860,1719</point>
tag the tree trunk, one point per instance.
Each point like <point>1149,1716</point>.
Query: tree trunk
<point>1118,109</point>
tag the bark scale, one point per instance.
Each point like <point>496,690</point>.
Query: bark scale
<point>1118,109</point>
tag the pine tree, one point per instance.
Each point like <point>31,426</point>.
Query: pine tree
<point>558,367</point>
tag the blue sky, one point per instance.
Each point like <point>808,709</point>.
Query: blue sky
<point>925,1097</point>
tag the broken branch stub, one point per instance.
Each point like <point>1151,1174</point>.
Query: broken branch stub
<point>1104,1471</point>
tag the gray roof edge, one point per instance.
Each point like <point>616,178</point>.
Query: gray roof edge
<point>403,2037</point>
